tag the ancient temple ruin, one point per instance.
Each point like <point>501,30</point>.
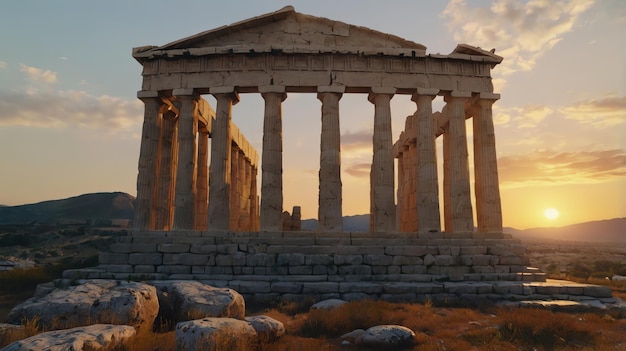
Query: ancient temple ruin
<point>200,217</point>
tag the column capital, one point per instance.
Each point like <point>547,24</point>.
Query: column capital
<point>147,94</point>
<point>457,94</point>
<point>273,89</point>
<point>375,91</point>
<point>431,92</point>
<point>184,92</point>
<point>340,89</point>
<point>227,91</point>
<point>488,96</point>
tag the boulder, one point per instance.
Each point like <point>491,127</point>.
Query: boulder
<point>214,334</point>
<point>329,304</point>
<point>94,301</point>
<point>267,328</point>
<point>189,300</point>
<point>354,337</point>
<point>388,335</point>
<point>93,337</point>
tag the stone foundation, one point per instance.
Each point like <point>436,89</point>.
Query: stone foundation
<point>282,264</point>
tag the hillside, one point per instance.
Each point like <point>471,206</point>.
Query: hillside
<point>610,230</point>
<point>116,205</point>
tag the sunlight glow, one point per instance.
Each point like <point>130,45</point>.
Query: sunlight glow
<point>551,213</point>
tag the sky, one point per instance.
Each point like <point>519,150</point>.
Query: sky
<point>70,121</point>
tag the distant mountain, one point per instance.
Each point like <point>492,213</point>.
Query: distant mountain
<point>356,223</point>
<point>610,230</point>
<point>116,205</point>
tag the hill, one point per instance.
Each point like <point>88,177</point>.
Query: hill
<point>95,206</point>
<point>610,230</point>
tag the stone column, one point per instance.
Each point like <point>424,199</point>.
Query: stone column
<point>221,140</point>
<point>185,199</point>
<point>411,210</point>
<point>167,174</point>
<point>487,190</point>
<point>402,188</point>
<point>330,197</point>
<point>148,161</point>
<point>244,207</point>
<point>382,181</point>
<point>272,158</point>
<point>427,198</point>
<point>254,200</point>
<point>235,194</point>
<point>459,217</point>
<point>202,184</point>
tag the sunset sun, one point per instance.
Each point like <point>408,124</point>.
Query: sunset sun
<point>551,213</point>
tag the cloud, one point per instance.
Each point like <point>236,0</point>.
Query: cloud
<point>69,108</point>
<point>547,167</point>
<point>359,170</point>
<point>357,140</point>
<point>521,31</point>
<point>605,112</point>
<point>524,117</point>
<point>3,65</point>
<point>38,75</point>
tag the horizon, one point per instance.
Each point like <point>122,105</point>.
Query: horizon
<point>70,122</point>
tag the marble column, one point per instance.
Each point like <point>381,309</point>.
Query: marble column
<point>202,184</point>
<point>411,210</point>
<point>244,219</point>
<point>167,174</point>
<point>382,203</point>
<point>220,174</point>
<point>402,188</point>
<point>254,201</point>
<point>235,195</point>
<point>487,191</point>
<point>427,197</point>
<point>148,161</point>
<point>330,196</point>
<point>185,199</point>
<point>272,158</point>
<point>458,212</point>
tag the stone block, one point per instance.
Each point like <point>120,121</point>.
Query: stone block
<point>318,260</point>
<point>379,270</point>
<point>203,249</point>
<point>511,260</point>
<point>407,260</point>
<point>429,260</point>
<point>120,268</point>
<point>455,250</point>
<point>301,270</point>
<point>185,259</point>
<point>483,269</point>
<point>173,248</point>
<point>243,270</point>
<point>260,259</point>
<point>145,258</point>
<point>377,260</point>
<point>500,251</point>
<point>320,288</point>
<point>250,287</point>
<point>218,270</point>
<point>399,288</point>
<point>144,268</point>
<point>368,288</point>
<point>290,259</point>
<point>227,249</point>
<point>444,260</point>
<point>414,269</point>
<point>348,260</point>
<point>502,269</point>
<point>354,270</point>
<point>474,250</point>
<point>121,248</point>
<point>174,269</point>
<point>597,291</point>
<point>459,288</point>
<point>394,269</point>
<point>405,250</point>
<point>399,298</point>
<point>112,258</point>
<point>444,250</point>
<point>358,296</point>
<point>286,287</point>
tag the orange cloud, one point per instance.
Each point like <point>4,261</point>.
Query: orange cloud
<point>547,167</point>
<point>39,75</point>
<point>359,170</point>
<point>604,112</point>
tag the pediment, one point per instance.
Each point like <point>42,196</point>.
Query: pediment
<point>286,31</point>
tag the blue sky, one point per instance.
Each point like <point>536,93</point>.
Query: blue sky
<point>70,122</point>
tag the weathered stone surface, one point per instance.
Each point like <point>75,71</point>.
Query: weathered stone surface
<point>187,300</point>
<point>267,328</point>
<point>93,336</point>
<point>214,334</point>
<point>104,301</point>
<point>388,335</point>
<point>328,304</point>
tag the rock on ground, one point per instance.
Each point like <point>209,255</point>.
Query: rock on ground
<point>267,328</point>
<point>95,336</point>
<point>214,334</point>
<point>328,304</point>
<point>388,335</point>
<point>94,301</point>
<point>189,300</point>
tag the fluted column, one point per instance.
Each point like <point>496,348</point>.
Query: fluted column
<point>427,197</point>
<point>458,213</point>
<point>148,161</point>
<point>330,197</point>
<point>411,211</point>
<point>185,199</point>
<point>400,210</point>
<point>202,183</point>
<point>244,219</point>
<point>234,188</point>
<point>272,158</point>
<point>167,175</point>
<point>487,190</point>
<point>220,180</point>
<point>254,200</point>
<point>382,203</point>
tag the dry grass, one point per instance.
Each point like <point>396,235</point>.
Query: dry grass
<point>436,328</point>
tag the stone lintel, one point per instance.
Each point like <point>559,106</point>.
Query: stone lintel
<point>331,89</point>
<point>142,94</point>
<point>489,96</point>
<point>183,92</point>
<point>382,90</point>
<point>225,90</point>
<point>460,94</point>
<point>271,89</point>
